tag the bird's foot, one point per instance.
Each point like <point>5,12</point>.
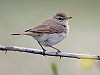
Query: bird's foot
<point>5,51</point>
<point>44,52</point>
<point>58,51</point>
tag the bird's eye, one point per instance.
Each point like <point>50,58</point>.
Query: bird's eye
<point>60,18</point>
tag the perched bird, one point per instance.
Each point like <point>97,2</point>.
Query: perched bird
<point>50,32</point>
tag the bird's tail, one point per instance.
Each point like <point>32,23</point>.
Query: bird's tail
<point>15,34</point>
<point>23,33</point>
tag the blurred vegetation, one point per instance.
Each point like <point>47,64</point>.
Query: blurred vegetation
<point>54,69</point>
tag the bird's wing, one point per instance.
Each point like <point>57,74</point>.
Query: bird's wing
<point>39,29</point>
<point>47,27</point>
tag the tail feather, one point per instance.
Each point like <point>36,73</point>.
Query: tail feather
<point>23,33</point>
<point>16,33</point>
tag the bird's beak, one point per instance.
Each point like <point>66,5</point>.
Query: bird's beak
<point>68,17</point>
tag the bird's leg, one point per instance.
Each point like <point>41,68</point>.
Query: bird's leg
<point>55,49</point>
<point>42,48</point>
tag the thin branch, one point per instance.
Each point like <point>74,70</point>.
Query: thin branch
<point>48,53</point>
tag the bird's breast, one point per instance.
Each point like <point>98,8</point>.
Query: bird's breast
<point>51,39</point>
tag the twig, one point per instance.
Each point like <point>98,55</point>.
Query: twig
<point>48,53</point>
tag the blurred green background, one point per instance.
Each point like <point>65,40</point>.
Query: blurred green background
<point>84,36</point>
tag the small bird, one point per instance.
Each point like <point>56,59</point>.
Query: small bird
<point>50,32</point>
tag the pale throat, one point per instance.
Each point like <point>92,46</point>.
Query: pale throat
<point>65,22</point>
<point>67,26</point>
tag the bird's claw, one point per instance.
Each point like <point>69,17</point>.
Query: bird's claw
<point>44,53</point>
<point>5,51</point>
<point>58,51</point>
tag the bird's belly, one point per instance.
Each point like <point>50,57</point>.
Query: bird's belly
<point>51,39</point>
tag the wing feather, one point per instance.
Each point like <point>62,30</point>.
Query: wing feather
<point>48,27</point>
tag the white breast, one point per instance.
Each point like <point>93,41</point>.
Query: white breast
<point>51,39</point>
